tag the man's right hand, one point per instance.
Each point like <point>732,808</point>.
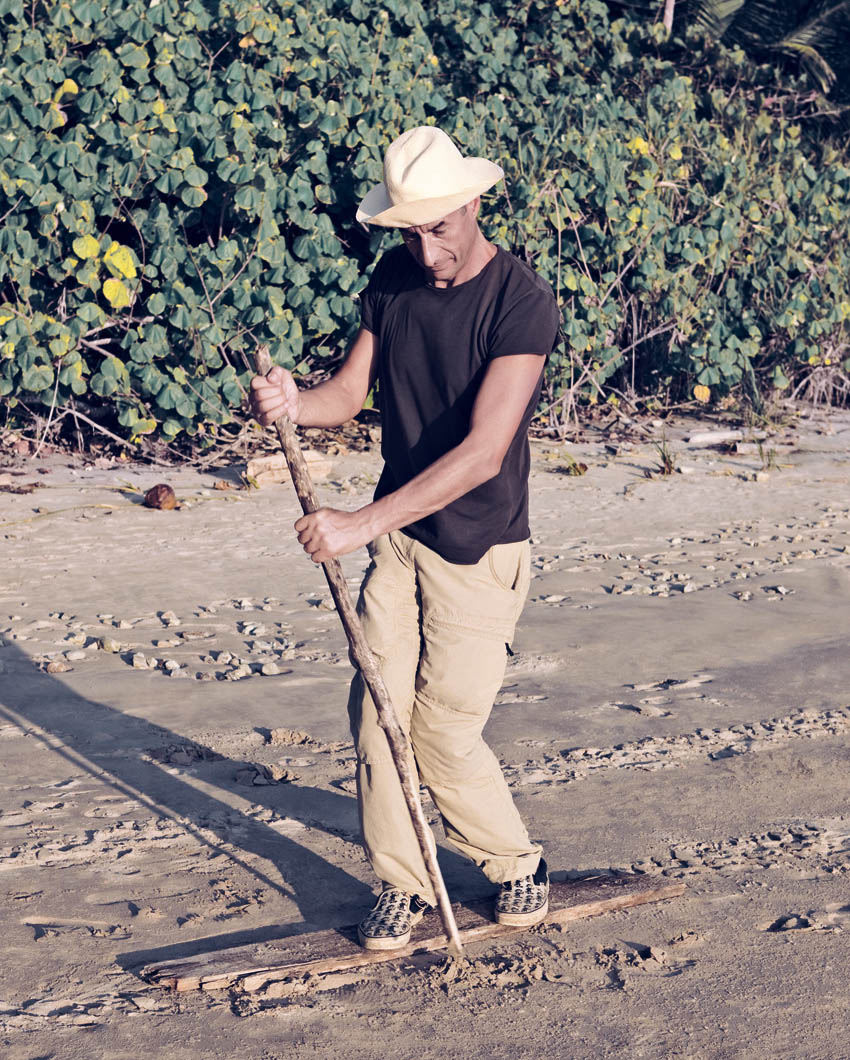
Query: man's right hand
<point>273,395</point>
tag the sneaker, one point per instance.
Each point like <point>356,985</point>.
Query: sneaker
<point>394,915</point>
<point>524,902</point>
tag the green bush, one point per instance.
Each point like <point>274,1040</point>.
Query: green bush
<point>178,183</point>
<point>693,233</point>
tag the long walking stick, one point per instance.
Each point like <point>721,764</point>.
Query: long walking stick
<point>367,665</point>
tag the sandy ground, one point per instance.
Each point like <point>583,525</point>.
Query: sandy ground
<point>678,704</point>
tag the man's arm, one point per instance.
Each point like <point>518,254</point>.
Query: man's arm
<point>502,399</point>
<point>329,404</point>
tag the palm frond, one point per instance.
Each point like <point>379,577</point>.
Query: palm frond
<point>812,59</point>
<point>715,16</point>
<point>820,42</point>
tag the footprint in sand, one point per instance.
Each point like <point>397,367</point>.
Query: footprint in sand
<point>52,927</point>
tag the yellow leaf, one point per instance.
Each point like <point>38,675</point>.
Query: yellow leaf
<point>143,427</point>
<point>119,259</point>
<point>158,107</point>
<point>86,247</point>
<point>634,214</point>
<point>56,115</point>
<point>702,393</point>
<point>116,293</point>
<point>69,87</point>
<point>675,152</point>
<point>638,146</point>
<point>5,317</point>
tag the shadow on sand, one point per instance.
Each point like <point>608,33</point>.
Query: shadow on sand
<point>109,745</point>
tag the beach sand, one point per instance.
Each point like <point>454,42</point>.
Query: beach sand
<point>677,704</point>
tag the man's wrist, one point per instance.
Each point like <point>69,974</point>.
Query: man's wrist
<point>369,522</point>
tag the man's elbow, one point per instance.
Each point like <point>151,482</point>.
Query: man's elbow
<point>488,463</point>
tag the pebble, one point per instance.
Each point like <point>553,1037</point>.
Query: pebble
<point>171,664</point>
<point>168,618</point>
<point>75,656</point>
<point>57,667</point>
<point>139,661</point>
<point>110,645</point>
<point>238,673</point>
<point>270,669</point>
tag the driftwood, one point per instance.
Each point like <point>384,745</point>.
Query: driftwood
<point>364,660</point>
<point>326,952</point>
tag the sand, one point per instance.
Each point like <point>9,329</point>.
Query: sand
<point>180,780</point>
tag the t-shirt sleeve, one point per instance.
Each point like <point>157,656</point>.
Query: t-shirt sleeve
<point>528,324</point>
<point>371,300</point>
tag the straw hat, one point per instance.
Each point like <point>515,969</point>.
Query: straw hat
<point>425,178</point>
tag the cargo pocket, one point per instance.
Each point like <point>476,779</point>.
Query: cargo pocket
<point>510,566</point>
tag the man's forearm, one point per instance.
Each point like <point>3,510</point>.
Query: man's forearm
<point>327,405</point>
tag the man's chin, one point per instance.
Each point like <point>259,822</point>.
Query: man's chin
<point>442,273</point>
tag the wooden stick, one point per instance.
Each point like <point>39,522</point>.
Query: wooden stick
<point>367,665</point>
<point>336,950</point>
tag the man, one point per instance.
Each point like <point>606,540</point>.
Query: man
<point>456,332</point>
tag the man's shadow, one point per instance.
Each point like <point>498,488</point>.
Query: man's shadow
<point>111,745</point>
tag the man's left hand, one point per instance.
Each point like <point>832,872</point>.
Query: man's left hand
<point>329,532</point>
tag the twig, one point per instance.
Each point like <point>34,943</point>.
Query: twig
<point>628,264</point>
<point>211,309</point>
<point>59,511</point>
<point>12,208</point>
<point>580,247</point>
<point>79,415</point>
<point>244,266</point>
<point>221,451</point>
<point>49,416</point>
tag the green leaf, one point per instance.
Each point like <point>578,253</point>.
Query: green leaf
<point>193,197</point>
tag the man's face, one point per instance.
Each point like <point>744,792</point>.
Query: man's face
<point>442,248</point>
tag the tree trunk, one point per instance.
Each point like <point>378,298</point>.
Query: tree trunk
<point>669,5</point>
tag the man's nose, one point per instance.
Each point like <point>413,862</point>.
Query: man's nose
<point>426,249</point>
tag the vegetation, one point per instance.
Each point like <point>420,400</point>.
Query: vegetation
<point>178,184</point>
<point>813,33</point>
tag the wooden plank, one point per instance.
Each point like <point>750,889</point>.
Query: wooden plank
<point>338,950</point>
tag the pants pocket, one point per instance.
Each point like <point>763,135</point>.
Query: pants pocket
<point>510,566</point>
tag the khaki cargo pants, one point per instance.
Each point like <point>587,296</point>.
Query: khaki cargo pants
<point>439,632</point>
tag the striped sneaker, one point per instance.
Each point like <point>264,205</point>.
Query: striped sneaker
<point>524,902</point>
<point>394,915</point>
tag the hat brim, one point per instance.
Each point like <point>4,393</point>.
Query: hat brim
<point>377,208</point>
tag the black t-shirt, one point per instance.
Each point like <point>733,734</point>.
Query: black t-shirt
<point>435,345</point>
